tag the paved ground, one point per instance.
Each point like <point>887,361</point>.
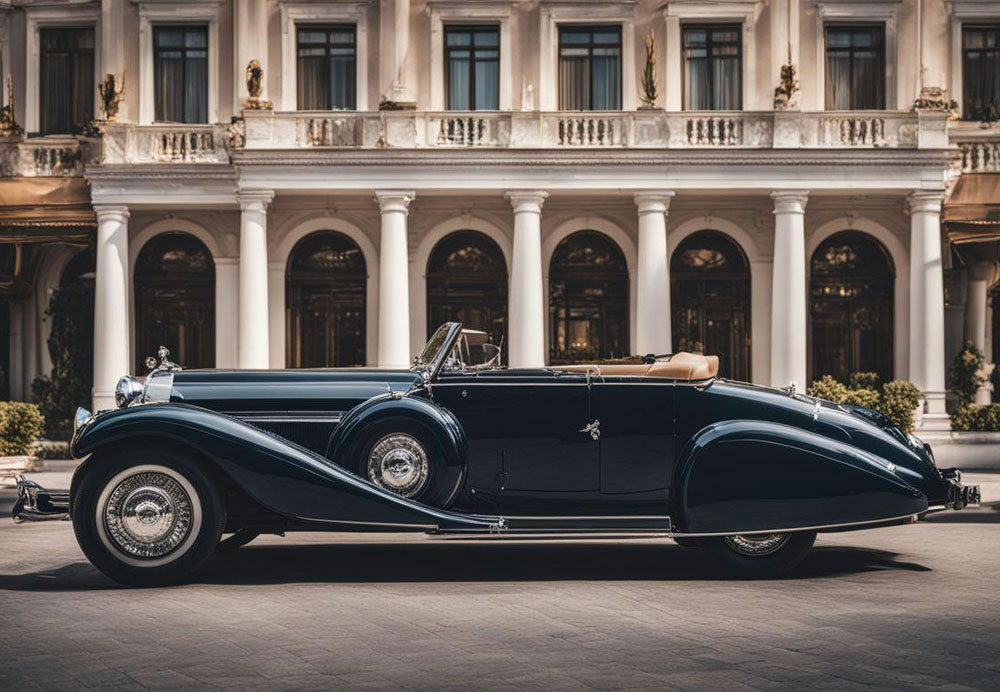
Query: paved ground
<point>905,607</point>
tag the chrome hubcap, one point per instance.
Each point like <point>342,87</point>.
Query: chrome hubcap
<point>758,545</point>
<point>147,515</point>
<point>398,463</point>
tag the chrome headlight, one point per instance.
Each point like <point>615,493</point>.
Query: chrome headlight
<point>128,390</point>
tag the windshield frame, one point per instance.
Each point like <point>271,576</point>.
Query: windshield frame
<point>430,363</point>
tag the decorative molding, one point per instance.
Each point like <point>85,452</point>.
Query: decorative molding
<point>154,13</point>
<point>961,12</point>
<point>556,12</point>
<point>294,12</point>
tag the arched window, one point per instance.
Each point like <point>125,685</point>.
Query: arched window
<point>467,281</point>
<point>325,299</point>
<point>851,292</point>
<point>175,301</point>
<point>588,300</point>
<point>710,301</point>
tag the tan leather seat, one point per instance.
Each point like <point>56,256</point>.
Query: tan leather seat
<point>681,366</point>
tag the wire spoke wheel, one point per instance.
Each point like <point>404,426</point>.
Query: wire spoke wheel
<point>399,464</point>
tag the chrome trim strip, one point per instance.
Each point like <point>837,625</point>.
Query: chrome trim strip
<point>819,527</point>
<point>595,383</point>
<point>617,517</point>
<point>288,416</point>
<point>347,522</point>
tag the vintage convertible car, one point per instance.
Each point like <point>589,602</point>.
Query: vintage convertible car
<point>656,446</point>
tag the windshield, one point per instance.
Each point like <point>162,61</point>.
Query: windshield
<point>435,346</point>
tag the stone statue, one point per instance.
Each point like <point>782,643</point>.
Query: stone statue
<point>255,87</point>
<point>111,96</point>
<point>649,89</point>
<point>236,132</point>
<point>786,94</point>
<point>8,123</point>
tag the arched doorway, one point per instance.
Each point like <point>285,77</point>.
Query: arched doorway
<point>710,301</point>
<point>588,300</point>
<point>467,281</point>
<point>325,300</point>
<point>175,300</point>
<point>851,307</point>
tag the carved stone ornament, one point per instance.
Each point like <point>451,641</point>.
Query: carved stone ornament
<point>236,131</point>
<point>255,87</point>
<point>936,99</point>
<point>8,123</point>
<point>786,94</point>
<point>111,96</point>
<point>649,88</point>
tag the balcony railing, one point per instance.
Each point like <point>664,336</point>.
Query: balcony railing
<point>980,148</point>
<point>163,143</point>
<point>52,156</point>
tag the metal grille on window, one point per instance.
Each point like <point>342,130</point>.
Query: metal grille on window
<point>181,73</point>
<point>327,67</point>
<point>590,68</point>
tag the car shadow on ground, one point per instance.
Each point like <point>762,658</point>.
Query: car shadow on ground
<point>987,513</point>
<point>448,561</point>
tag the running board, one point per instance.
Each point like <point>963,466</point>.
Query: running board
<point>568,525</point>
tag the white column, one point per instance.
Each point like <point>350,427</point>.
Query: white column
<point>227,311</point>
<point>111,332</point>
<point>397,80</point>
<point>526,333</point>
<point>927,364</point>
<point>975,316</point>
<point>394,284</point>
<point>252,348</point>
<point>788,290</point>
<point>652,328</point>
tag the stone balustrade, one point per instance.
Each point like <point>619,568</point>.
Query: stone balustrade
<point>52,156</point>
<point>162,143</point>
<point>980,149</point>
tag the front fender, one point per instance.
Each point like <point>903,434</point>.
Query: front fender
<point>748,475</point>
<point>352,433</point>
<point>282,476</point>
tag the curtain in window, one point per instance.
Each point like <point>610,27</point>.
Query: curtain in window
<point>472,64</point>
<point>855,67</point>
<point>181,74</point>
<point>981,72</point>
<point>327,68</point>
<point>590,68</point>
<point>66,79</point>
<point>713,78</point>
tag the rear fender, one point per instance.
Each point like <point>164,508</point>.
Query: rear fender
<point>280,475</point>
<point>742,475</point>
<point>349,438</point>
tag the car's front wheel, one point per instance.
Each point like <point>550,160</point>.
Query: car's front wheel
<point>147,517</point>
<point>757,556</point>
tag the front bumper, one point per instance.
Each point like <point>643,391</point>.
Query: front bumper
<point>959,496</point>
<point>35,503</point>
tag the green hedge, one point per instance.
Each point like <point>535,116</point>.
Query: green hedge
<point>20,425</point>
<point>976,418</point>
<point>966,374</point>
<point>897,400</point>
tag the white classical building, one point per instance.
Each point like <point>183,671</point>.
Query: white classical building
<point>507,163</point>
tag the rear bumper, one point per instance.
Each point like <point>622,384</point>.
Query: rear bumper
<point>35,503</point>
<point>959,496</point>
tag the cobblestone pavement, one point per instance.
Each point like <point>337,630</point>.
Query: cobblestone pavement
<point>904,607</point>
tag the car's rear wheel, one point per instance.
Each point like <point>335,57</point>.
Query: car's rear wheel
<point>147,517</point>
<point>757,556</point>
<point>402,457</point>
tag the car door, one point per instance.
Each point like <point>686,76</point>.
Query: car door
<point>636,419</point>
<point>528,451</point>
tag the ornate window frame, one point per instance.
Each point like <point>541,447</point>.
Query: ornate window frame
<point>973,11</point>
<point>469,12</point>
<point>859,12</point>
<point>49,17</point>
<point>742,12</point>
<point>293,13</point>
<point>160,12</point>
<point>556,12</point>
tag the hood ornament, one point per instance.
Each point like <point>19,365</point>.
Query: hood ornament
<point>164,363</point>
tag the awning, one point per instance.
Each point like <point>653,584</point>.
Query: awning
<point>972,213</point>
<point>45,210</point>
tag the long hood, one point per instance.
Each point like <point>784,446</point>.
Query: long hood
<point>286,390</point>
